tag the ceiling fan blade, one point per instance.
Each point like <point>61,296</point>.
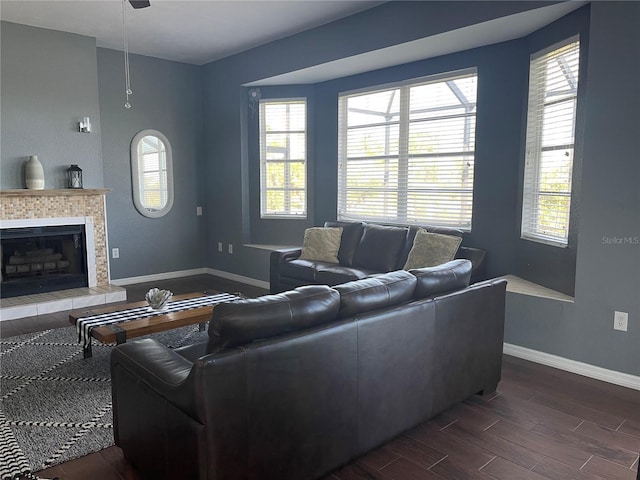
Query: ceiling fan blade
<point>140,3</point>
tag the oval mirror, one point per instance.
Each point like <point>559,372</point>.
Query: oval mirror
<point>152,173</point>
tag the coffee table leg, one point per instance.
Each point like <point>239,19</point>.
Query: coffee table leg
<point>86,351</point>
<point>201,326</point>
<point>121,335</point>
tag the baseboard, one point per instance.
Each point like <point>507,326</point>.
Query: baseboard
<point>238,278</point>
<point>187,273</point>
<point>573,366</point>
<point>160,276</point>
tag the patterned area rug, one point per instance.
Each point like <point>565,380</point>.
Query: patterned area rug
<point>55,405</point>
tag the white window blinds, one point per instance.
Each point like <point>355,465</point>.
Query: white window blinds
<point>553,86</point>
<point>406,153</point>
<point>283,154</point>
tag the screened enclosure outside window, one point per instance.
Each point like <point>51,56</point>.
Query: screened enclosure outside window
<point>283,155</point>
<point>406,152</point>
<point>551,120</point>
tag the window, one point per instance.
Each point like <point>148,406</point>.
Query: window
<point>406,152</point>
<point>553,86</point>
<point>152,173</point>
<point>283,154</point>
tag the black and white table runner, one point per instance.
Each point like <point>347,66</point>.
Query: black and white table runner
<point>84,325</point>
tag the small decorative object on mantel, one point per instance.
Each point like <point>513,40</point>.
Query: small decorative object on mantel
<point>33,174</point>
<point>157,299</point>
<point>74,177</point>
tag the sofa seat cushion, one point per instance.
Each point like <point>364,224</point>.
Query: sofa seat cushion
<point>303,269</point>
<point>453,275</point>
<point>376,292</point>
<point>336,274</point>
<point>243,321</point>
<point>380,247</point>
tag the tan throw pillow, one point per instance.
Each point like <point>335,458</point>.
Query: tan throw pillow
<point>431,249</point>
<point>321,244</point>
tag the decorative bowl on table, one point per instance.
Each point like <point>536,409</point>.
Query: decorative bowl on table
<point>158,299</point>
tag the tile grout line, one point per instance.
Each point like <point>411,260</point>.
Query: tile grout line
<point>448,425</point>
<point>443,458</point>
<point>494,457</point>
<point>634,463</point>
<point>578,426</point>
<point>583,465</point>
<point>490,426</point>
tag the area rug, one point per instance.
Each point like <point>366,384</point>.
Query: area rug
<point>54,404</point>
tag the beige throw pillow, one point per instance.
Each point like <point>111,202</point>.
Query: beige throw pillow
<point>321,244</point>
<point>431,249</point>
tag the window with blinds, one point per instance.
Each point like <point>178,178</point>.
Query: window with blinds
<point>283,154</point>
<point>406,152</point>
<point>551,119</point>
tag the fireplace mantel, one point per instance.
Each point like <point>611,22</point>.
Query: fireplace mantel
<point>23,192</point>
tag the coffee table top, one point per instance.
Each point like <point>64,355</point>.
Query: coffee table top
<point>137,318</point>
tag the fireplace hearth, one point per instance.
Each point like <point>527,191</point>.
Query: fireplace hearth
<point>42,259</point>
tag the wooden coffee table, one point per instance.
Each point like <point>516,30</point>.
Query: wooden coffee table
<point>122,331</point>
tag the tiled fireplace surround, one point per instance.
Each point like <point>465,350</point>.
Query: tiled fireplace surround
<point>21,208</point>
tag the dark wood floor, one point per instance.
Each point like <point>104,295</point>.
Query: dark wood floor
<point>542,423</point>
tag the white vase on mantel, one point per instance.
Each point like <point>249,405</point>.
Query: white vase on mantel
<point>34,174</point>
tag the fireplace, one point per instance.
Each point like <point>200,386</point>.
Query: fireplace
<point>42,259</point>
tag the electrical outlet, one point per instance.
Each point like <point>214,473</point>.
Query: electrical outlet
<point>620,321</point>
<point>115,253</point>
<point>230,248</point>
<point>220,247</point>
<point>199,211</point>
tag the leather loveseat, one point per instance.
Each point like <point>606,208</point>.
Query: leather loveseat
<point>293,385</point>
<point>365,249</point>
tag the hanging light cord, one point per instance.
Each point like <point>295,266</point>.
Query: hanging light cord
<point>127,78</point>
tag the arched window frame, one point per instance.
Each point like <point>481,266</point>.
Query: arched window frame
<point>137,170</point>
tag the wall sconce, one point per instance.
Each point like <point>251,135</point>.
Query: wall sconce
<point>84,125</point>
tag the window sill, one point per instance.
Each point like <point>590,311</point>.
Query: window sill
<point>524,287</point>
<point>268,247</point>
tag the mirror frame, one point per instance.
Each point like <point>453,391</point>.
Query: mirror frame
<point>135,174</point>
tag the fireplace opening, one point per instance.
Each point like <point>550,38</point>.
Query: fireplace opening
<point>42,259</point>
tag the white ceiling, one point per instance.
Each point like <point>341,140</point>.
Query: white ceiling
<point>190,31</point>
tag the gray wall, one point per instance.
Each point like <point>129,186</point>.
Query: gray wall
<point>229,151</point>
<point>166,97</point>
<point>608,259</point>
<point>49,82</point>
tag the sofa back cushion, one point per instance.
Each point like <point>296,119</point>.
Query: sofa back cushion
<point>376,292</point>
<point>380,247</point>
<point>243,321</point>
<point>351,233</point>
<point>453,275</point>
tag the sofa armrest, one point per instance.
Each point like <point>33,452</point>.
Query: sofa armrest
<point>163,371</point>
<point>277,258</point>
<point>477,257</point>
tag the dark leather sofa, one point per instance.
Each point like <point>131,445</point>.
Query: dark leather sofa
<point>293,385</point>
<point>365,249</point>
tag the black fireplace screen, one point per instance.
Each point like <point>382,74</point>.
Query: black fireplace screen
<point>42,259</point>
